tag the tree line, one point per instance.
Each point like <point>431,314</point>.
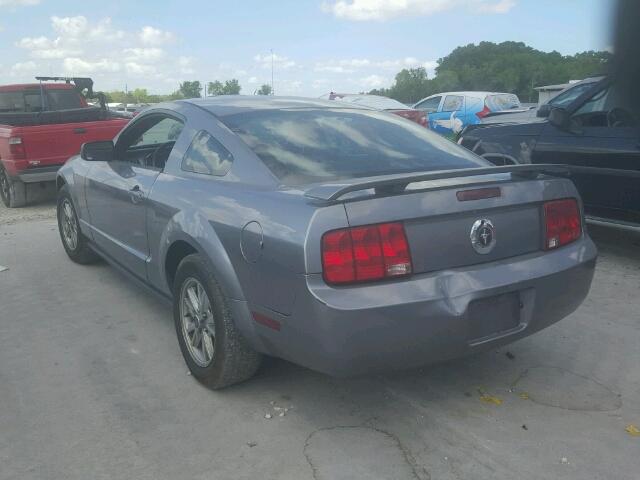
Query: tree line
<point>511,67</point>
<point>187,89</point>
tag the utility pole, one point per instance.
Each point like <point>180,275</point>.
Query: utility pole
<point>273,92</point>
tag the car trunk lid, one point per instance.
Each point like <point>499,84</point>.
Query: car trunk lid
<point>445,219</point>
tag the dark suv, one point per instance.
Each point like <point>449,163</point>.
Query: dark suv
<point>597,134</point>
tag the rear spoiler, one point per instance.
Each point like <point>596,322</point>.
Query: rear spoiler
<point>331,192</point>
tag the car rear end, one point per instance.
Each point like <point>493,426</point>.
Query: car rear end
<point>405,286</point>
<point>406,268</point>
<point>417,116</point>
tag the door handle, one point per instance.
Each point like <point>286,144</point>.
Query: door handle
<point>137,195</point>
<point>79,130</point>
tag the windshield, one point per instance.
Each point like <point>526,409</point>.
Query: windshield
<point>502,101</point>
<point>568,96</point>
<point>311,145</point>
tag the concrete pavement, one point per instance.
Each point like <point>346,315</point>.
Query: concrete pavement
<point>93,385</point>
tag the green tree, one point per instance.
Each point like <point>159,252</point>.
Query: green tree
<point>215,88</point>
<point>232,87</point>
<point>506,67</point>
<point>264,90</point>
<point>190,89</point>
<point>229,87</point>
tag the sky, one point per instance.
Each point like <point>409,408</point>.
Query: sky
<point>318,45</point>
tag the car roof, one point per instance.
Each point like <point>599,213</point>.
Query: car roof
<point>378,102</point>
<point>472,94</point>
<point>222,105</point>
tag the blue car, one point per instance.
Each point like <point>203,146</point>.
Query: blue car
<point>449,112</point>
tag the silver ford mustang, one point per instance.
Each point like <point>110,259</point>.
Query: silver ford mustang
<point>337,237</point>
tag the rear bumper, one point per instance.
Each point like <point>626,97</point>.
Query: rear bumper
<point>39,174</point>
<point>426,319</point>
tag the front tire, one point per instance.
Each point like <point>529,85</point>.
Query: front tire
<point>73,241</point>
<point>214,350</point>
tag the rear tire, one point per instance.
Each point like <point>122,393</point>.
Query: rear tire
<point>73,241</point>
<point>12,192</point>
<point>218,356</point>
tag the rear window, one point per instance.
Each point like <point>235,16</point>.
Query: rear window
<point>31,100</point>
<point>302,146</point>
<point>502,101</point>
<point>63,99</point>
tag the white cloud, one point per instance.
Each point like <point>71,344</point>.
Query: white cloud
<point>186,65</point>
<point>146,55</point>
<point>18,3</point>
<point>22,68</point>
<point>364,10</point>
<point>135,68</point>
<point>351,65</point>
<point>373,81</point>
<point>252,80</point>
<point>154,36</point>
<point>74,66</point>
<point>278,61</point>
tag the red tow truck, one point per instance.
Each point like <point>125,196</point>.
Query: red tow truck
<point>41,126</point>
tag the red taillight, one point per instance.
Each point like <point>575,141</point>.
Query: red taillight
<point>484,112</point>
<point>16,148</point>
<point>362,254</point>
<point>562,223</point>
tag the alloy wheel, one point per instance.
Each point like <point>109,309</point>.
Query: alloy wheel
<point>69,225</point>
<point>198,326</point>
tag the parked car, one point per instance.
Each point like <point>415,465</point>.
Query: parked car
<point>595,133</point>
<point>330,235</point>
<point>41,126</point>
<point>448,113</point>
<point>378,102</point>
<point>563,99</point>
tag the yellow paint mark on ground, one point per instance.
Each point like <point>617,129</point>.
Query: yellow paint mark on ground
<point>633,430</point>
<point>490,399</point>
<point>524,396</point>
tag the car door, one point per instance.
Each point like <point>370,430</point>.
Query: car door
<point>116,191</point>
<point>449,119</point>
<point>603,146</point>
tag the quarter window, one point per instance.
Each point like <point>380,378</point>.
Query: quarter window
<point>207,156</point>
<point>452,103</point>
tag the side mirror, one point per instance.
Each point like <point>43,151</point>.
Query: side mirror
<point>97,151</point>
<point>558,117</point>
<point>544,111</point>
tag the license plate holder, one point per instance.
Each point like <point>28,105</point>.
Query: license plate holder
<point>494,316</point>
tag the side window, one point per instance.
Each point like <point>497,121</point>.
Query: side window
<point>430,105</point>
<point>166,130</point>
<point>207,156</point>
<point>606,108</point>
<point>453,103</point>
<point>149,140</point>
